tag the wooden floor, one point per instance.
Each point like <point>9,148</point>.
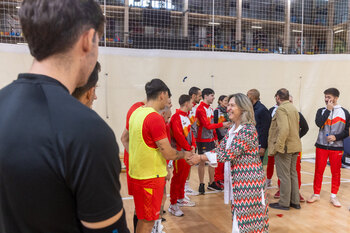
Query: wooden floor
<point>211,215</point>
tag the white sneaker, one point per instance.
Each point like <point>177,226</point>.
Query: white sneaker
<point>185,202</point>
<point>158,227</point>
<point>190,192</point>
<point>335,201</point>
<point>175,210</point>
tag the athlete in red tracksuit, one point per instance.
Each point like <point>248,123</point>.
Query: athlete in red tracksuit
<point>180,126</point>
<point>206,137</point>
<point>333,122</point>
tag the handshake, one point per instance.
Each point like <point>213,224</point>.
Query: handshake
<point>192,158</point>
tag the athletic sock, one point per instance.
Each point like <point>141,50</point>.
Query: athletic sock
<point>333,195</point>
<point>135,222</point>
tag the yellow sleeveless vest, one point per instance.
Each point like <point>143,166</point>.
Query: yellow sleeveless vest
<point>144,162</point>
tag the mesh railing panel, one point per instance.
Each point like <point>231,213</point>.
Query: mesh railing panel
<point>255,26</point>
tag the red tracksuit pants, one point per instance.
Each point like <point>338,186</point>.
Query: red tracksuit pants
<point>321,162</point>
<point>270,168</point>
<point>177,185</point>
<point>219,172</point>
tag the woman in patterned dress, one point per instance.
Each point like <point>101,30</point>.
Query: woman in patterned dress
<point>244,175</point>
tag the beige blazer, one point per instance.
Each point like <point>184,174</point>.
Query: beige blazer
<point>284,130</point>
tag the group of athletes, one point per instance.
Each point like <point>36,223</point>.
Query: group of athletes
<point>153,137</point>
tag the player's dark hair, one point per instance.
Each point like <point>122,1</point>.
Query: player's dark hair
<point>54,26</point>
<point>221,98</point>
<point>183,99</point>
<point>207,91</point>
<point>193,91</point>
<point>92,81</point>
<point>332,91</point>
<point>155,87</point>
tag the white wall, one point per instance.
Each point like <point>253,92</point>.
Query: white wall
<point>306,77</point>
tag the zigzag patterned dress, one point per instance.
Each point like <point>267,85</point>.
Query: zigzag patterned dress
<point>248,179</point>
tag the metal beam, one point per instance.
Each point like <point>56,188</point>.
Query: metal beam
<point>286,39</point>
<point>348,31</point>
<point>330,34</point>
<point>239,25</point>
<point>126,22</point>
<point>185,18</point>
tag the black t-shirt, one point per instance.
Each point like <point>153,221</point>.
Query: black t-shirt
<point>59,161</point>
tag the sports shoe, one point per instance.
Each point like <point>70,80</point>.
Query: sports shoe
<point>335,202</point>
<point>185,202</point>
<point>313,198</point>
<point>158,227</point>
<point>175,210</point>
<point>268,183</point>
<point>277,195</point>
<point>190,192</point>
<point>201,189</point>
<point>213,186</point>
<point>220,184</point>
<point>302,199</point>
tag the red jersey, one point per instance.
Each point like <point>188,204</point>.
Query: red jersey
<point>180,125</point>
<point>131,110</point>
<point>205,122</point>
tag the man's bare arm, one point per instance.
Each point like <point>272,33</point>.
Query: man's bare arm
<point>125,139</point>
<point>170,153</point>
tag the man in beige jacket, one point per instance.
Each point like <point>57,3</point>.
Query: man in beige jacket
<point>285,144</point>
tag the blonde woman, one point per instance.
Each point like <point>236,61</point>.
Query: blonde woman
<point>244,175</point>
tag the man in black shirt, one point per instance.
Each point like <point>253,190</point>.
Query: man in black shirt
<point>263,120</point>
<point>59,163</point>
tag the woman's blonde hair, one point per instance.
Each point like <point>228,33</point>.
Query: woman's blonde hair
<point>246,106</point>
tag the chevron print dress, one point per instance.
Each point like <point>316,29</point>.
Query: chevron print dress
<point>248,179</point>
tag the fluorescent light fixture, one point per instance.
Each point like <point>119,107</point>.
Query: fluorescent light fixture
<point>18,7</point>
<point>257,27</point>
<point>22,43</point>
<point>299,31</point>
<point>214,23</point>
<point>338,31</point>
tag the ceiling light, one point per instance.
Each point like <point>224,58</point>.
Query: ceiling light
<point>214,23</point>
<point>338,31</point>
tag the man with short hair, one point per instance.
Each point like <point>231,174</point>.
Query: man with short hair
<point>166,114</point>
<point>284,143</point>
<point>149,148</point>
<point>206,137</point>
<point>181,128</point>
<point>86,94</point>
<point>263,120</point>
<point>59,160</point>
<point>333,123</point>
<point>196,96</point>
<point>303,129</point>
